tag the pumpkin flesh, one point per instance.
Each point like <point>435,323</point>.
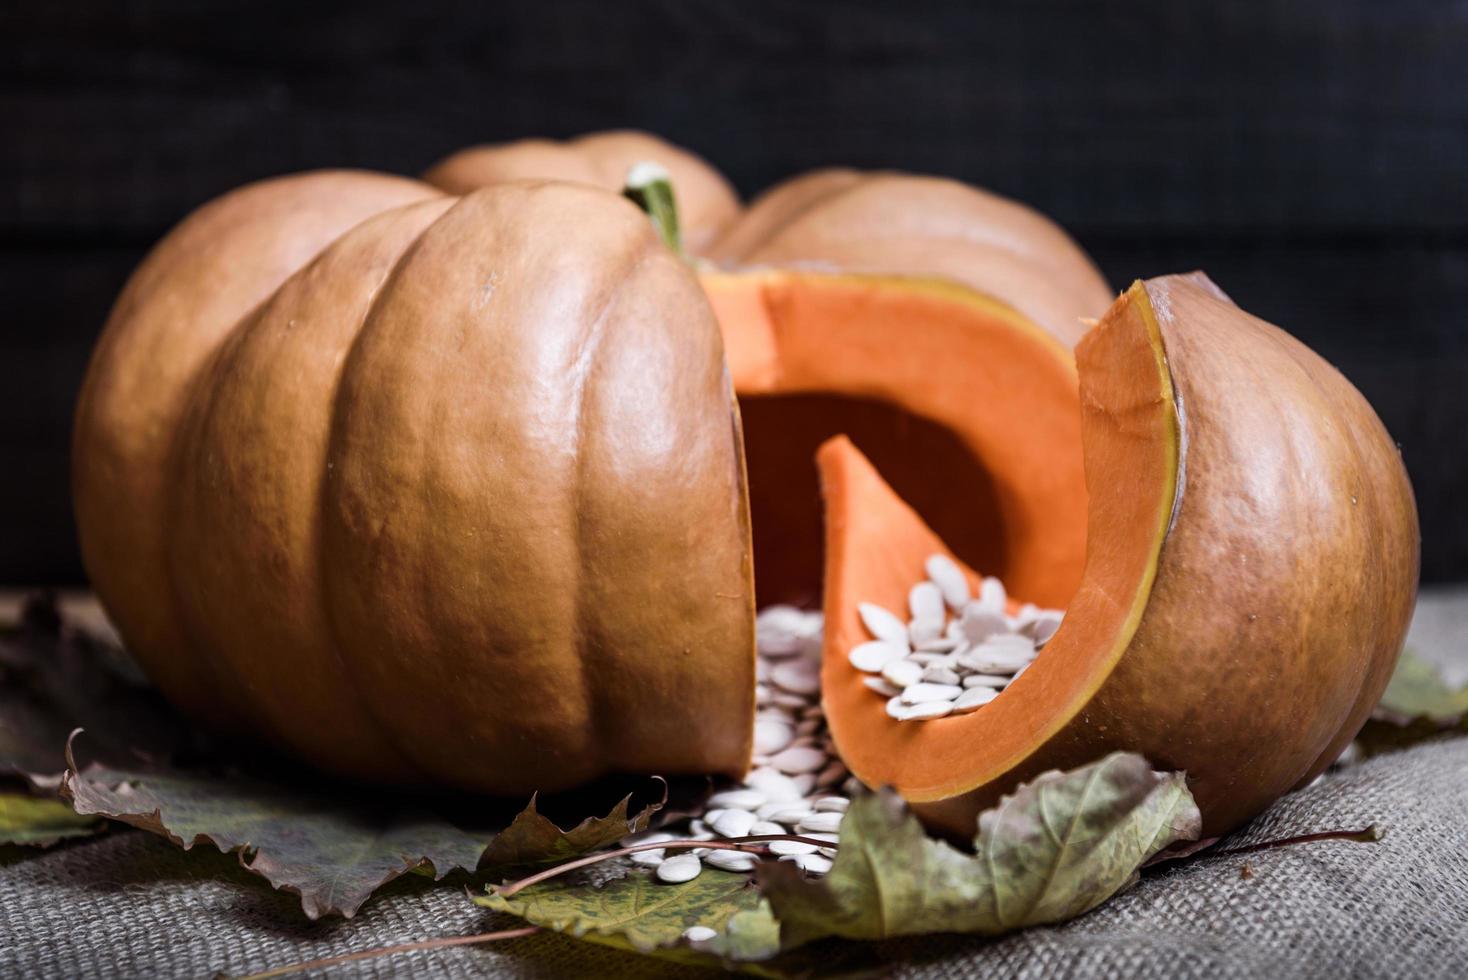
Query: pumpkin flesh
<point>920,367</point>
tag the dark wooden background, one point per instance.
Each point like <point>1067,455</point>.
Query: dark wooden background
<point>1311,156</point>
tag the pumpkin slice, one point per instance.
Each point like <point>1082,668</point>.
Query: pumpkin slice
<point>969,407</point>
<point>1251,569</point>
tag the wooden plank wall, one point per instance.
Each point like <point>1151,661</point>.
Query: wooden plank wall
<point>1312,156</point>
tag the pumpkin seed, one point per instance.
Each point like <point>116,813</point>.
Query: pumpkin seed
<point>949,578</point>
<point>800,759</point>
<point>903,673</point>
<point>827,804</point>
<point>979,623</point>
<point>939,644</point>
<point>930,692</point>
<point>882,686</point>
<point>679,868</point>
<point>727,860</point>
<point>873,655</point>
<point>925,602</point>
<point>771,736</point>
<point>924,710</point>
<point>937,674</point>
<point>817,864</point>
<point>774,784</point>
<point>824,822</point>
<point>973,698</point>
<point>762,827</point>
<point>882,624</point>
<point>648,858</point>
<point>996,681</point>
<point>783,847</point>
<point>698,934</point>
<point>992,595</point>
<point>797,676</point>
<point>732,823</point>
<point>738,799</point>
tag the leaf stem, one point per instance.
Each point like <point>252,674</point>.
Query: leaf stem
<point>1366,835</point>
<point>651,188</point>
<point>367,954</point>
<point>750,845</point>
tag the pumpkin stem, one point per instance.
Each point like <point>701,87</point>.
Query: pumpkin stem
<point>651,188</point>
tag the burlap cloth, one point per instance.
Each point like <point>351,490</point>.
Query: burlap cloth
<point>128,904</point>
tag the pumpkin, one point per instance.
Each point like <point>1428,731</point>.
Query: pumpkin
<point>706,202</point>
<point>838,293</point>
<point>1251,571</point>
<point>426,489</point>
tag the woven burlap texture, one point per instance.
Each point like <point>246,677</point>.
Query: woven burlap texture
<point>128,904</point>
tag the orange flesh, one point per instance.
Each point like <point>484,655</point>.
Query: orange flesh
<point>876,546</point>
<point>968,404</point>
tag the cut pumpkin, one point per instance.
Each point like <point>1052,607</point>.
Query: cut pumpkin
<point>965,404</point>
<point>1251,569</point>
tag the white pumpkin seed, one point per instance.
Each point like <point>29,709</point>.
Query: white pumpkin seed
<point>812,864</point>
<point>873,655</point>
<point>790,816</point>
<point>649,859</point>
<point>771,736</point>
<point>827,822</point>
<point>699,934</point>
<point>992,595</point>
<point>903,673</point>
<point>939,644</point>
<point>949,578</point>
<point>974,698</point>
<point>797,676</point>
<point>763,827</point>
<point>727,860</point>
<point>799,759</point>
<point>980,623</point>
<point>777,786</point>
<point>881,623</point>
<point>830,804</point>
<point>783,847</point>
<point>925,603</point>
<point>738,799</point>
<point>804,783</point>
<point>896,709</point>
<point>928,709</point>
<point>919,693</point>
<point>732,823</point>
<point>679,868</point>
<point>882,686</point>
<point>996,681</point>
<point>646,837</point>
<point>936,674</point>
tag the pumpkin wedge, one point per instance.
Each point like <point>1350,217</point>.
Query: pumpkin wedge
<point>1251,568</point>
<point>427,489</point>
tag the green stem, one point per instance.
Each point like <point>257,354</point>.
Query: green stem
<point>651,188</point>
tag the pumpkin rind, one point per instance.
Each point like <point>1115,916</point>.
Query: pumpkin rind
<point>461,503</point>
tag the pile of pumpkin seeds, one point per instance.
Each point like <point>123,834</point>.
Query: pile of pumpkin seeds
<point>797,785</point>
<point>955,652</point>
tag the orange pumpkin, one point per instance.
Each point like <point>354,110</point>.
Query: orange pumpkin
<point>426,489</point>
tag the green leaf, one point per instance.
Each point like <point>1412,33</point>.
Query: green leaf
<point>532,840</point>
<point>643,914</point>
<point>332,849</point>
<point>1058,847</point>
<point>1417,691</point>
<point>40,822</point>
